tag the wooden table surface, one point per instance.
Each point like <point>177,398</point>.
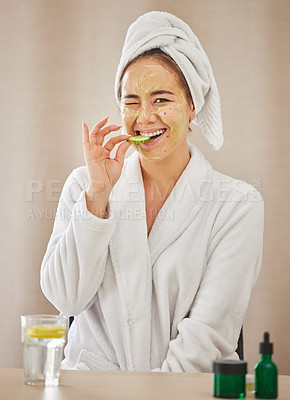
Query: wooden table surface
<point>87,385</point>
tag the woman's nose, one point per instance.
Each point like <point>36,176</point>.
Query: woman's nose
<point>146,114</point>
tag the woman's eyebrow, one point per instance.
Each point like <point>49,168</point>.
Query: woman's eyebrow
<point>161,92</point>
<point>134,96</point>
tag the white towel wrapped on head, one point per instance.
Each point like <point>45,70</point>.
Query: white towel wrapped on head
<point>159,29</point>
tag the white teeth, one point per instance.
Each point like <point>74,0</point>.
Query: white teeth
<point>153,133</point>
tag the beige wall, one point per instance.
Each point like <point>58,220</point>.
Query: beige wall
<point>58,61</point>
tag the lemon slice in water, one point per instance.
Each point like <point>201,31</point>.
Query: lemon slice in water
<point>46,332</point>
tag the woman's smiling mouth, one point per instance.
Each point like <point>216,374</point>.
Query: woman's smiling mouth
<point>155,138</point>
<point>152,135</point>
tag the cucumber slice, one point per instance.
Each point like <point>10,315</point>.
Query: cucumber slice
<point>139,139</point>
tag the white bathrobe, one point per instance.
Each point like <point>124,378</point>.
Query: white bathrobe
<point>172,301</point>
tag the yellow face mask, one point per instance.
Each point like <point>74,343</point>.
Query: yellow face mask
<point>153,100</point>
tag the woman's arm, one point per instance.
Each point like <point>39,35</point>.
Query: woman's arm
<point>213,326</point>
<point>74,263</point>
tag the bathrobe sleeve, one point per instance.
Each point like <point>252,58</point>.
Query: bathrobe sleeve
<point>212,328</point>
<point>73,266</point>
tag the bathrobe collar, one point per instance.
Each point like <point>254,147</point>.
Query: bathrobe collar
<point>182,205</point>
<point>134,255</point>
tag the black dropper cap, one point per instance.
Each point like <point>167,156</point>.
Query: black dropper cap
<point>266,347</point>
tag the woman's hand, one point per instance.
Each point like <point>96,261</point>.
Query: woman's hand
<point>104,171</point>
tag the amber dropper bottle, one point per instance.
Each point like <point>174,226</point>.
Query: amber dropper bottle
<point>266,373</point>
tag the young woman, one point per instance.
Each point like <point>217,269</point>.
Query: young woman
<point>155,256</point>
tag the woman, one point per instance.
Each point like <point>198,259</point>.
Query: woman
<point>155,256</point>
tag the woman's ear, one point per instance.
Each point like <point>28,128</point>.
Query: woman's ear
<point>192,114</point>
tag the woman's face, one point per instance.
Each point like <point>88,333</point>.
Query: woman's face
<point>153,100</point>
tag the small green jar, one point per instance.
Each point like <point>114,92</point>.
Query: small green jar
<point>229,379</point>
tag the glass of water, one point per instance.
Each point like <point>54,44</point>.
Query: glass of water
<point>43,338</point>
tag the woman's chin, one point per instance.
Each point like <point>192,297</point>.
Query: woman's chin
<point>157,155</point>
<point>159,152</point>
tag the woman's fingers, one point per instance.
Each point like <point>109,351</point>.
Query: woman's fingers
<point>115,140</point>
<point>95,152</point>
<point>99,125</point>
<point>98,134</point>
<point>120,154</point>
<point>86,134</point>
<point>90,137</point>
